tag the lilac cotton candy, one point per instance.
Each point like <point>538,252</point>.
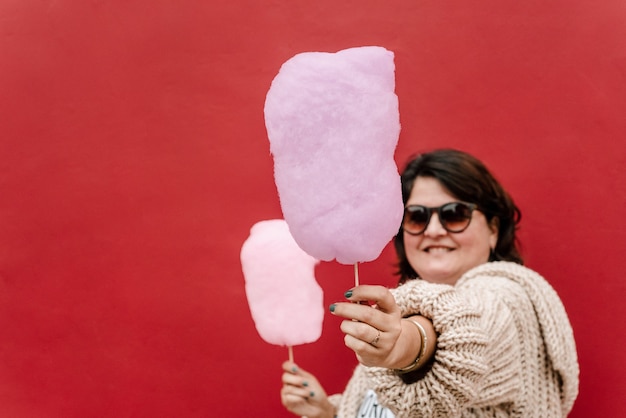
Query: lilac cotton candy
<point>284,298</point>
<point>333,125</point>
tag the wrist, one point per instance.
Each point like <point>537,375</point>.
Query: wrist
<point>416,350</point>
<point>330,411</point>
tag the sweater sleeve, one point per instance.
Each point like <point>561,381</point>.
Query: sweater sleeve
<point>476,360</point>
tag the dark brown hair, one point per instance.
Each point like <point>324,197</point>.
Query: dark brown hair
<point>466,178</point>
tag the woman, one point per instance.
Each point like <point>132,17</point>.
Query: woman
<point>469,331</point>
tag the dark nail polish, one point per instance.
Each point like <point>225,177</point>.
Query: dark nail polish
<point>332,307</point>
<point>348,294</point>
<point>312,394</point>
<point>305,384</point>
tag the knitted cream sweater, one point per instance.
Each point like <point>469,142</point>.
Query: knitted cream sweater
<point>505,348</point>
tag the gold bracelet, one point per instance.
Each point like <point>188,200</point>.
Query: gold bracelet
<point>423,345</point>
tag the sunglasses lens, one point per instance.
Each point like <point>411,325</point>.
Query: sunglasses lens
<point>456,216</point>
<point>415,219</point>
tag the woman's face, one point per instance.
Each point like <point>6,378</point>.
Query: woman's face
<point>439,256</point>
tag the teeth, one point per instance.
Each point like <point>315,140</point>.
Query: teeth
<point>438,250</point>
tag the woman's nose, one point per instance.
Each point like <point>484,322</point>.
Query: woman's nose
<point>434,227</point>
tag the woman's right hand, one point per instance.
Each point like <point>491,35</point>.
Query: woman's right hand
<point>303,395</point>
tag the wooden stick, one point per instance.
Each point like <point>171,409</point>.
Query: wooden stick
<point>290,348</point>
<point>356,274</point>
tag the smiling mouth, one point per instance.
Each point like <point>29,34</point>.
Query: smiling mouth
<point>438,250</point>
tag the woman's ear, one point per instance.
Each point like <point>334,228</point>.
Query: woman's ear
<point>494,226</point>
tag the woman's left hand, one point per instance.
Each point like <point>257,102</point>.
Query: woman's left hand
<point>373,325</point>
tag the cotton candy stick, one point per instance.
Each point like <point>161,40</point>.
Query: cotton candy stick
<point>333,124</point>
<point>285,300</point>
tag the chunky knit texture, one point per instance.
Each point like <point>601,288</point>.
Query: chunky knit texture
<point>505,348</point>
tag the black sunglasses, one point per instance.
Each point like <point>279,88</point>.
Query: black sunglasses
<point>454,217</point>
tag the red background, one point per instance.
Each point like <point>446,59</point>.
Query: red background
<point>134,160</point>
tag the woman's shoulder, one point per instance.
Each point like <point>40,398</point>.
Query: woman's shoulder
<point>499,268</point>
<point>504,278</point>
<point>506,271</point>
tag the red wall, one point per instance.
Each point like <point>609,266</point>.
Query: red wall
<point>134,159</point>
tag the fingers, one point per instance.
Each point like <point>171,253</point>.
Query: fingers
<point>371,329</point>
<point>297,394</point>
<point>360,332</point>
<point>292,369</point>
<point>379,296</point>
<point>300,382</point>
<point>301,392</point>
<point>384,316</point>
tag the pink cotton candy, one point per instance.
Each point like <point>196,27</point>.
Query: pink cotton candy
<point>284,298</point>
<point>333,125</point>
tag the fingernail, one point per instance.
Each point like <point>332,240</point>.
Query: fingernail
<point>305,384</point>
<point>348,294</point>
<point>311,394</point>
<point>332,307</point>
<point>294,369</point>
